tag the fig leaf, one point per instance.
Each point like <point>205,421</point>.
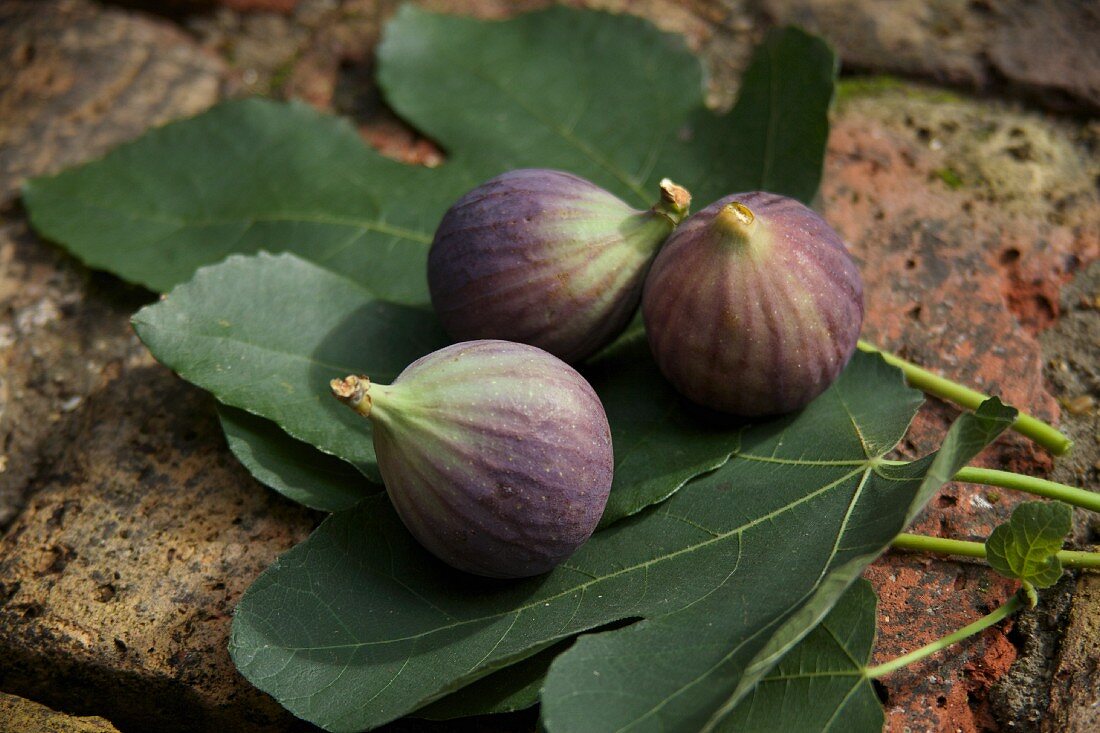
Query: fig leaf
<point>379,629</point>
<point>819,685</point>
<point>826,667</point>
<point>295,469</point>
<point>1026,546</point>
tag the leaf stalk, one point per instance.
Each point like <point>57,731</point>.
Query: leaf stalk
<point>964,548</point>
<point>1009,607</point>
<point>1031,427</point>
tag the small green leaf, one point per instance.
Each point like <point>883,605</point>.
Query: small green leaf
<point>295,469</point>
<point>1026,546</point>
<point>819,685</point>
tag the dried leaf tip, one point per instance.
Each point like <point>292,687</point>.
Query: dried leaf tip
<point>354,392</point>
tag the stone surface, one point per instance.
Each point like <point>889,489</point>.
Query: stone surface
<point>131,531</point>
<point>79,79</point>
<point>962,270</point>
<point>1047,51</point>
<point>1075,692</point>
<point>120,575</point>
<point>17,714</point>
<point>1074,369</point>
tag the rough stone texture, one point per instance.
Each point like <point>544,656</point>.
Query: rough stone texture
<point>968,217</point>
<point>1075,693</point>
<point>131,555</point>
<point>17,714</point>
<point>1048,51</point>
<point>119,576</point>
<point>1074,370</point>
<point>961,271</point>
<point>80,79</point>
<point>1020,700</point>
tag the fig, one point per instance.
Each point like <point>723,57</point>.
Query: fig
<point>546,258</point>
<point>753,306</point>
<point>496,455</point>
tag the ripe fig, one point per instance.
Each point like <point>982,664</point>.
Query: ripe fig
<point>753,306</point>
<point>496,455</point>
<point>546,258</point>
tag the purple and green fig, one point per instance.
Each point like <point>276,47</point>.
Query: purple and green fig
<point>753,306</point>
<point>496,455</point>
<point>546,258</point>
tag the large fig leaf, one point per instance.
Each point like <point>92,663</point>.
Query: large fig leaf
<point>819,686</point>
<point>266,333</point>
<point>610,98</point>
<point>607,97</point>
<point>359,625</point>
<point>818,507</point>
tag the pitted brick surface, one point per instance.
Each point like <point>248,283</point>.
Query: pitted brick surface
<point>133,532</point>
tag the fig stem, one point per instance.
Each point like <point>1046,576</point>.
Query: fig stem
<point>965,548</point>
<point>675,201</point>
<point>354,392</point>
<point>1006,609</point>
<point>1035,429</point>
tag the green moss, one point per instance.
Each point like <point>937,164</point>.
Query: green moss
<point>950,177</point>
<point>281,76</point>
<point>866,86</point>
<point>856,87</point>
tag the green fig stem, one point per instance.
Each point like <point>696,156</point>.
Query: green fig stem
<point>736,221</point>
<point>964,548</point>
<point>354,392</point>
<point>1026,425</point>
<point>675,202</point>
<point>1009,607</point>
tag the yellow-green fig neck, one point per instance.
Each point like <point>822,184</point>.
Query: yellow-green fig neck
<point>737,227</point>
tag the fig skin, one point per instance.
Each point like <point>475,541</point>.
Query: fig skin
<point>753,306</point>
<point>496,455</point>
<point>546,258</point>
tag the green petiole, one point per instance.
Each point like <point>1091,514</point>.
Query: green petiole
<point>1031,427</point>
<point>1027,484</point>
<point>1009,607</point>
<point>963,548</point>
<point>1031,485</point>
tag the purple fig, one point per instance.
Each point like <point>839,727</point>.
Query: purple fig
<point>546,258</point>
<point>496,455</point>
<point>753,306</point>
